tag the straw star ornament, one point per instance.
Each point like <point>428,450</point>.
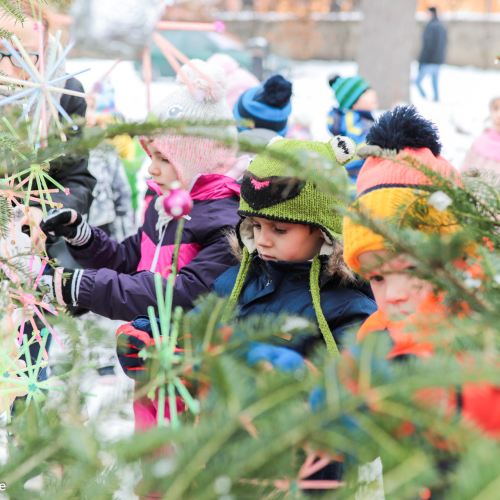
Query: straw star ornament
<point>37,174</point>
<point>39,88</point>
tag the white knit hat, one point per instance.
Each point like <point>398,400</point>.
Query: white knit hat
<point>192,155</point>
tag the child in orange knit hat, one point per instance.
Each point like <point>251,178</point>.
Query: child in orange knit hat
<point>408,309</point>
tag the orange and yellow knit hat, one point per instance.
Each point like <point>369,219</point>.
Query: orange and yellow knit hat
<point>387,185</point>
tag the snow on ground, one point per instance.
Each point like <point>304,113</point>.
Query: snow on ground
<point>460,115</point>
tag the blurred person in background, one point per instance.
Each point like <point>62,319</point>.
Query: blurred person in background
<point>353,116</point>
<point>268,106</point>
<point>435,39</point>
<point>71,171</point>
<point>111,209</point>
<point>484,154</point>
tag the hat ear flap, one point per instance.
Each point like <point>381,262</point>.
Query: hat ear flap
<point>344,149</point>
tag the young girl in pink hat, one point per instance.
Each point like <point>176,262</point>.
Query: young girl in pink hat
<point>484,155</point>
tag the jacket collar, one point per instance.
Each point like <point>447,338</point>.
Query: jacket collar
<point>295,271</point>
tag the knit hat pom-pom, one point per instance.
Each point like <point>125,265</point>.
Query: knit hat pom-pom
<point>404,127</point>
<point>277,92</point>
<point>208,80</point>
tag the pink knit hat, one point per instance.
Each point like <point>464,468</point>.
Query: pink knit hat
<point>191,155</point>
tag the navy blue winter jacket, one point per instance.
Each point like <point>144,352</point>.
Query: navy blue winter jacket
<point>278,287</point>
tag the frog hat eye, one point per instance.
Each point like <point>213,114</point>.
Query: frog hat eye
<point>175,112</point>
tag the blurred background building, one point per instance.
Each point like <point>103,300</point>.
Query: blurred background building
<point>331,29</point>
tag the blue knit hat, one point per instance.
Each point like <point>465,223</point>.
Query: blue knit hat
<point>268,105</point>
<point>348,90</point>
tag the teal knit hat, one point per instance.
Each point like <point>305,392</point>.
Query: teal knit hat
<point>348,90</point>
<point>268,192</point>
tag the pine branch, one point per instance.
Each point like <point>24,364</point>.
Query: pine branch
<point>5,34</point>
<point>10,8</point>
<point>5,216</point>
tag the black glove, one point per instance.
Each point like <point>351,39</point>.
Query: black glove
<point>130,339</point>
<point>63,284</point>
<point>69,224</point>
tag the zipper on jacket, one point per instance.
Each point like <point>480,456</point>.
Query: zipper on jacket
<point>158,248</point>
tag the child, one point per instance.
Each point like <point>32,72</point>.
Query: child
<point>267,105</point>
<point>118,281</point>
<point>111,209</point>
<point>291,243</point>
<point>484,155</point>
<point>406,304</point>
<point>353,116</point>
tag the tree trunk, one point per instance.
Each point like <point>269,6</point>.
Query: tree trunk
<point>386,48</point>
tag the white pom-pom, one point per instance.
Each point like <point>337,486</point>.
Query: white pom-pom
<point>344,148</point>
<point>276,138</point>
<point>208,80</point>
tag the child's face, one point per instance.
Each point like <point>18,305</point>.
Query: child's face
<point>367,102</point>
<point>161,170</point>
<point>495,114</point>
<point>287,242</point>
<point>397,292</point>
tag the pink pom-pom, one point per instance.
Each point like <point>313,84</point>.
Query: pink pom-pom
<point>67,191</point>
<point>209,80</point>
<point>177,203</point>
<point>220,27</point>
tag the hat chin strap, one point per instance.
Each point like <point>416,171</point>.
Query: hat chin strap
<point>246,235</point>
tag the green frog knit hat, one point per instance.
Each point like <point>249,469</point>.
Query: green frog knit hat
<point>268,192</point>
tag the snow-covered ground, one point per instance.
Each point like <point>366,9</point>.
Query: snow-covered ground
<point>460,115</point>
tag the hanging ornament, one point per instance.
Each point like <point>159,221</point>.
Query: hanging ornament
<point>115,28</point>
<point>177,203</point>
<point>37,173</point>
<point>41,84</point>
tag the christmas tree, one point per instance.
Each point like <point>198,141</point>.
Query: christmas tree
<point>247,431</point>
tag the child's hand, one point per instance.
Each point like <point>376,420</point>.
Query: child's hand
<point>36,234</point>
<point>69,224</point>
<point>281,358</point>
<point>63,284</point>
<point>131,339</point>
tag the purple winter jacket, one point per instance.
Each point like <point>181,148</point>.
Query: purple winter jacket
<point>118,283</point>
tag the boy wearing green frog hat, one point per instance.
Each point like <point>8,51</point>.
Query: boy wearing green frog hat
<point>290,240</point>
